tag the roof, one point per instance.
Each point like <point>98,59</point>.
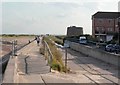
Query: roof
<point>110,15</point>
<point>75,27</point>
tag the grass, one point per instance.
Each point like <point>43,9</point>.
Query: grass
<point>16,35</point>
<point>57,39</point>
<point>57,63</point>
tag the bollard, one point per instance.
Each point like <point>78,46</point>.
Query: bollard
<point>29,41</point>
<point>13,48</point>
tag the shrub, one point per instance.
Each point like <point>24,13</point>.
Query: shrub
<point>57,63</point>
<point>56,66</point>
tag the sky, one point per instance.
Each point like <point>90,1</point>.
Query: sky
<point>50,16</point>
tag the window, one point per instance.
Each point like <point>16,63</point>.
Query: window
<point>109,20</point>
<point>110,29</point>
<point>103,29</point>
<point>100,29</point>
<point>97,28</point>
<point>100,20</point>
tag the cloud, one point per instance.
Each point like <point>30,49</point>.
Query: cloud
<point>69,1</point>
<point>108,6</point>
<point>51,17</point>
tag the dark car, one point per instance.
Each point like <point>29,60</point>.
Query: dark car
<point>117,48</point>
<point>110,48</point>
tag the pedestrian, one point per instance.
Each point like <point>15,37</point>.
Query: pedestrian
<point>29,41</point>
<point>38,40</point>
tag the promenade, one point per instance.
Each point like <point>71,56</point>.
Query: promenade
<point>29,66</point>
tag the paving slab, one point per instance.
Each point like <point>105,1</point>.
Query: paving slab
<point>55,79</point>
<point>98,78</point>
<point>88,69</point>
<point>31,78</point>
<point>112,78</point>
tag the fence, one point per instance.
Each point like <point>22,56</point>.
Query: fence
<point>48,54</point>
<point>4,59</point>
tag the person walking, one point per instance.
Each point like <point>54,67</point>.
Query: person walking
<point>38,40</point>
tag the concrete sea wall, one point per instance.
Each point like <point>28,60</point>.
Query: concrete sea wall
<point>96,53</point>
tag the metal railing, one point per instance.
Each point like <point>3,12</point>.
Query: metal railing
<point>48,54</point>
<point>6,57</point>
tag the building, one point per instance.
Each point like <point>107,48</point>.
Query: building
<point>105,25</point>
<point>74,31</point>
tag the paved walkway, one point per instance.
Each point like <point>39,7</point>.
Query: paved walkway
<point>87,69</point>
<point>30,63</point>
<point>32,67</point>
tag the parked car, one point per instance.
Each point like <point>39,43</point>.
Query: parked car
<point>82,40</point>
<point>117,47</point>
<point>110,48</point>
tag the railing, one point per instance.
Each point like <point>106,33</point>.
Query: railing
<point>6,57</point>
<point>48,54</point>
<point>26,65</point>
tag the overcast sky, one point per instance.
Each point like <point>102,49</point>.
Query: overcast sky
<point>51,16</point>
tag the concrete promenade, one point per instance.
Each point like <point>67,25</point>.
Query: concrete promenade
<point>87,69</point>
<point>29,66</point>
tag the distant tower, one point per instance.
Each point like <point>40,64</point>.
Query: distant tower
<point>74,31</point>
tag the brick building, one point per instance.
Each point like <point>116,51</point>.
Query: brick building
<point>74,31</point>
<point>105,25</point>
